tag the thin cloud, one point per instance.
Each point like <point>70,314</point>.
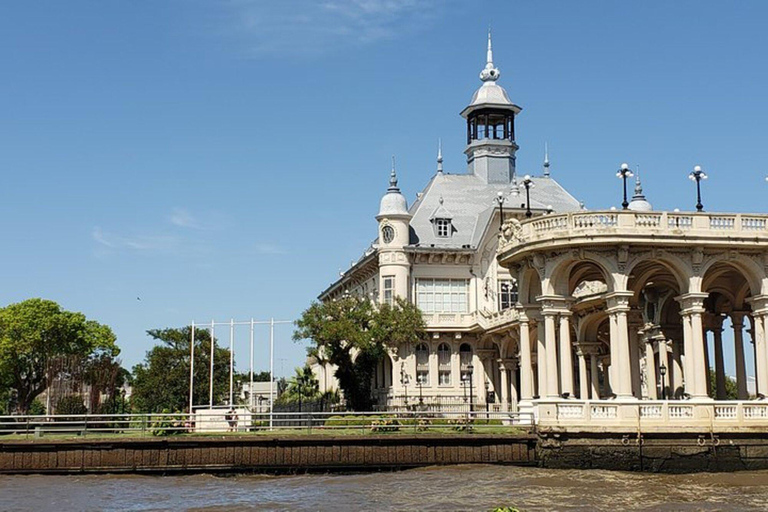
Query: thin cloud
<point>210,221</point>
<point>135,243</point>
<point>312,26</point>
<point>184,219</point>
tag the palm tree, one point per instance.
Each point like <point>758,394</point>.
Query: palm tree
<point>303,385</point>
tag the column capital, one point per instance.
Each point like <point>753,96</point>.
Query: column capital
<point>618,301</point>
<point>554,304</point>
<point>508,363</point>
<point>737,319</point>
<point>759,305</point>
<point>691,303</point>
<point>587,348</point>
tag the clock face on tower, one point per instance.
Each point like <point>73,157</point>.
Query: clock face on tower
<point>388,234</point>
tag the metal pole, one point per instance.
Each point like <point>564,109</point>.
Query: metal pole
<point>192,369</point>
<point>625,203</point>
<point>271,370</point>
<point>210,383</point>
<point>250,392</point>
<point>699,206</point>
<point>231,361</point>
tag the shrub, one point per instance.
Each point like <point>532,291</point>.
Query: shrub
<point>72,404</point>
<point>385,425</point>
<point>165,425</point>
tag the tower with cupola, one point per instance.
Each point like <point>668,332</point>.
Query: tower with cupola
<point>490,116</point>
<point>394,234</point>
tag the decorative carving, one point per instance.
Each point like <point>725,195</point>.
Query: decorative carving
<point>511,232</point>
<point>587,288</point>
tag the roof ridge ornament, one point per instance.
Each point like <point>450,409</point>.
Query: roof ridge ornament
<point>546,161</point>
<point>490,73</point>
<point>439,156</point>
<point>393,178</point>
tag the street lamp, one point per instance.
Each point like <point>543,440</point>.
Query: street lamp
<point>500,198</point>
<point>471,369</point>
<point>487,389</point>
<point>528,184</point>
<point>697,175</point>
<point>624,173</point>
<point>404,380</point>
<point>420,382</point>
<point>662,373</point>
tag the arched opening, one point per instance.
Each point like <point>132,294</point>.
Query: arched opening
<point>730,356</point>
<point>444,365</point>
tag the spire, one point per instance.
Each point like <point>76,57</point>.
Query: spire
<point>490,73</point>
<point>440,156</point>
<point>546,161</point>
<point>639,202</point>
<point>393,178</point>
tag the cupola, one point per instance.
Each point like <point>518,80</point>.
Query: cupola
<point>490,119</point>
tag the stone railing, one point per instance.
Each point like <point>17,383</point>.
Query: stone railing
<point>493,320</point>
<point>450,320</point>
<point>626,222</point>
<point>652,415</point>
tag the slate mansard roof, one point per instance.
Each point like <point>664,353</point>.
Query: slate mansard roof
<point>471,203</point>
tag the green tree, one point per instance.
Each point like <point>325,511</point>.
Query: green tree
<point>35,331</point>
<point>161,382</point>
<point>353,334</point>
<point>302,386</point>
<point>731,389</point>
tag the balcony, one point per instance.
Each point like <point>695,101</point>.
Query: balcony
<point>653,415</point>
<point>625,226</point>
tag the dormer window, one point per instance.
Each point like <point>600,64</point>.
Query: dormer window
<point>443,228</point>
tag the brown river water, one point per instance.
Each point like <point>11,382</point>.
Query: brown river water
<point>478,487</point>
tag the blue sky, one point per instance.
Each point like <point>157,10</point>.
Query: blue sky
<point>225,159</point>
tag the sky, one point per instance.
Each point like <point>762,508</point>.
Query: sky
<point>171,161</point>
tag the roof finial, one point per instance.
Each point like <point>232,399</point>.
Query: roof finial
<point>546,160</point>
<point>393,178</point>
<point>440,156</point>
<point>490,73</point>
<point>638,185</point>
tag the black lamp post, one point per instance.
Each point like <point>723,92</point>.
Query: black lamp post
<point>528,184</point>
<point>697,175</point>
<point>487,389</point>
<point>624,173</point>
<point>662,373</point>
<point>420,382</point>
<point>471,369</point>
<point>500,198</point>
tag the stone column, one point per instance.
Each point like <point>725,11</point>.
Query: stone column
<point>737,322</point>
<point>583,380</point>
<point>664,379</point>
<point>594,377</point>
<point>717,334</point>
<point>434,378</point>
<point>676,378</point>
<point>504,386</point>
<point>692,308</point>
<point>526,365</point>
<point>621,373</point>
<point>650,371</point>
<point>634,360</point>
<point>761,354</point>
<point>550,340</point>
<point>607,387</point>
<point>707,363</point>
<point>566,360</point>
<point>541,362</point>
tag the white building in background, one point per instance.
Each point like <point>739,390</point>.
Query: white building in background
<point>534,303</point>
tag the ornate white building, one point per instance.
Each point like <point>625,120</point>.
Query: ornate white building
<point>533,303</point>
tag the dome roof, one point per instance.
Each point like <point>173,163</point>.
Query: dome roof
<point>490,93</point>
<point>393,203</point>
<point>638,202</point>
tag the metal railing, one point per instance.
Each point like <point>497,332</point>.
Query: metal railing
<point>224,422</point>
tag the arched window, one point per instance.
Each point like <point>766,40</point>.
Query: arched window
<point>422,364</point>
<point>444,364</point>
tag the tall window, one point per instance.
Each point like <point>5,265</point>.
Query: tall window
<point>443,228</point>
<point>442,295</point>
<point>507,294</point>
<point>422,364</point>
<point>389,289</point>
<point>444,364</point>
